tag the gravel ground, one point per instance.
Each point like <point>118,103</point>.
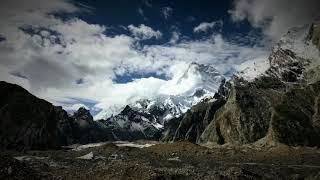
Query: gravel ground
<point>180,160</point>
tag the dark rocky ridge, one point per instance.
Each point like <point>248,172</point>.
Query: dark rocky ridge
<point>191,124</point>
<point>132,124</point>
<point>28,122</point>
<point>85,130</point>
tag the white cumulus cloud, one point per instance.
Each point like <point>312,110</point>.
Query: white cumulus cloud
<point>274,17</point>
<point>48,56</point>
<point>144,32</point>
<point>206,26</point>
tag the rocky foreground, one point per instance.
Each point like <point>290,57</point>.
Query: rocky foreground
<point>180,160</point>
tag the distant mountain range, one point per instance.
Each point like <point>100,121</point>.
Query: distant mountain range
<point>201,81</point>
<point>277,104</point>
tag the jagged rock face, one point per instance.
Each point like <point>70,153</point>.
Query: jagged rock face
<point>295,119</point>
<point>191,124</point>
<point>268,110</point>
<point>83,117</point>
<point>66,127</point>
<point>170,129</point>
<point>314,34</point>
<point>133,124</point>
<point>85,130</point>
<point>285,65</point>
<point>246,115</point>
<point>280,106</point>
<point>26,122</point>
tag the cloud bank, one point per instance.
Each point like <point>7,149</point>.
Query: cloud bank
<point>144,32</point>
<point>274,17</point>
<point>60,59</point>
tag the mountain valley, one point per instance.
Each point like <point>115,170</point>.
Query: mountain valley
<point>263,127</point>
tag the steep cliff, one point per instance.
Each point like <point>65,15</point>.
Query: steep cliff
<point>191,124</point>
<point>279,106</point>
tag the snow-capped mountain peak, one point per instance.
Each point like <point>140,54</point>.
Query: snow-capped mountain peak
<point>197,81</point>
<point>294,52</point>
<point>206,77</point>
<point>147,116</point>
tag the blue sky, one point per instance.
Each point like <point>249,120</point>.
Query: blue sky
<point>106,54</point>
<point>183,16</point>
<point>168,17</point>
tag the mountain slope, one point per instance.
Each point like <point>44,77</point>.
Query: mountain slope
<point>191,124</point>
<point>28,122</point>
<point>197,82</point>
<point>146,119</point>
<point>279,106</point>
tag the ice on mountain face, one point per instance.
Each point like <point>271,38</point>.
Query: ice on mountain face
<point>293,52</point>
<point>294,55</point>
<point>107,112</point>
<point>296,41</point>
<point>250,70</point>
<point>158,126</point>
<point>197,76</point>
<point>202,80</point>
<point>145,118</point>
<point>136,127</point>
<point>121,122</point>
